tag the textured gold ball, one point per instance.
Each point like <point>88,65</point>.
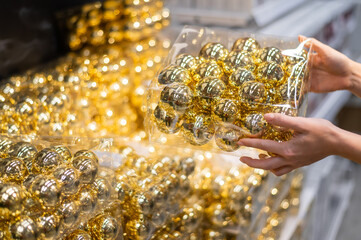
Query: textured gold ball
<point>209,90</point>
<point>177,95</point>
<point>285,109</point>
<point>271,74</point>
<point>197,128</point>
<point>87,153</point>
<point>225,110</point>
<point>297,71</point>
<point>271,54</point>
<point>208,69</point>
<point>46,189</point>
<point>214,51</point>
<point>13,169</point>
<point>48,226</point>
<point>64,152</point>
<point>238,59</point>
<point>252,93</point>
<point>173,74</point>
<point>24,228</point>
<point>167,119</point>
<point>227,138</point>
<point>5,144</point>
<point>25,151</point>
<point>255,124</point>
<point>87,167</point>
<point>298,57</point>
<point>240,76</point>
<point>68,178</point>
<point>290,92</point>
<point>186,61</point>
<point>102,188</point>
<point>104,227</point>
<point>12,198</point>
<point>69,212</point>
<point>247,44</point>
<point>87,199</point>
<point>78,234</point>
<point>46,160</point>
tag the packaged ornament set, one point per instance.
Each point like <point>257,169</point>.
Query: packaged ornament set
<point>215,87</point>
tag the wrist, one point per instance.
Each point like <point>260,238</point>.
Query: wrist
<point>336,141</point>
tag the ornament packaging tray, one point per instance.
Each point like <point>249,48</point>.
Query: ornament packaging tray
<point>215,86</point>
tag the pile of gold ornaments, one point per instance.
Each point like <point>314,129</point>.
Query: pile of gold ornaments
<point>114,21</point>
<point>95,92</point>
<point>224,94</point>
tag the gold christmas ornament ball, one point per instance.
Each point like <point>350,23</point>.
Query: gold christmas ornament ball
<point>252,93</point>
<point>46,160</point>
<point>173,74</point>
<point>68,178</point>
<point>48,226</point>
<point>87,153</point>
<point>240,76</point>
<point>46,189</point>
<point>78,234</point>
<point>177,95</point>
<point>13,169</point>
<point>197,128</point>
<point>271,54</point>
<point>247,44</point>
<point>225,110</point>
<point>12,199</point>
<point>167,119</point>
<point>186,61</point>
<point>227,137</point>
<point>300,56</point>
<point>25,151</point>
<point>270,73</point>
<point>214,51</point>
<point>290,92</point>
<point>104,227</point>
<point>238,59</point>
<point>209,90</point>
<point>102,188</point>
<point>255,124</point>
<point>87,199</point>
<point>87,167</point>
<point>208,69</point>
<point>297,71</point>
<point>69,212</point>
<point>24,228</point>
<point>285,109</point>
<point>5,144</point>
<point>64,152</point>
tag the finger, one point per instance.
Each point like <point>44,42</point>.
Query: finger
<point>282,171</point>
<point>267,145</point>
<point>314,43</point>
<point>282,120</point>
<point>266,164</point>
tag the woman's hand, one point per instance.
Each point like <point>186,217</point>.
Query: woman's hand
<point>314,139</point>
<point>330,70</point>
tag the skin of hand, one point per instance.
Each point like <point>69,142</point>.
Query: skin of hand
<point>314,139</point>
<point>332,70</point>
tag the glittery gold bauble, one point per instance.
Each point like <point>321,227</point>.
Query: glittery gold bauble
<point>46,160</point>
<point>252,93</point>
<point>208,69</point>
<point>186,61</point>
<point>197,128</point>
<point>241,76</point>
<point>300,56</point>
<point>104,227</point>
<point>297,71</point>
<point>64,152</point>
<point>208,91</point>
<point>46,189</point>
<point>137,229</point>
<point>167,119</point>
<point>238,59</point>
<point>214,51</point>
<point>48,226</point>
<point>69,212</point>
<point>173,74</point>
<point>225,110</point>
<point>68,178</point>
<point>102,188</point>
<point>271,74</point>
<point>227,138</point>
<point>285,109</point>
<point>247,44</point>
<point>87,167</point>
<point>13,169</point>
<point>87,153</point>
<point>255,124</point>
<point>24,228</point>
<point>5,144</point>
<point>25,151</point>
<point>87,199</point>
<point>177,95</point>
<point>12,198</point>
<point>290,92</point>
<point>78,234</point>
<point>5,231</point>
<point>271,54</point>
